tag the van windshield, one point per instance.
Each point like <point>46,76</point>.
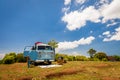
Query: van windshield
<point>45,48</point>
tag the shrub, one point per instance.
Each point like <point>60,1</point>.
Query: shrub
<point>104,59</point>
<point>81,58</point>
<point>8,60</point>
<point>117,58</point>
<point>13,54</point>
<point>100,55</point>
<point>71,58</point>
<point>111,58</point>
<point>20,58</point>
<point>96,59</point>
<point>1,61</point>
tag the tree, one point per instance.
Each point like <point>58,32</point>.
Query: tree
<point>81,58</point>
<point>117,58</point>
<point>13,54</point>
<point>9,58</point>
<point>101,56</point>
<point>91,52</point>
<point>20,58</point>
<point>71,58</point>
<point>53,43</point>
<point>1,61</point>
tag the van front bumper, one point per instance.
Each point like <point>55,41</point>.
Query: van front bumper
<point>44,60</point>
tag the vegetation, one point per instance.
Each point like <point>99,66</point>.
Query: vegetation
<point>12,58</point>
<point>53,43</point>
<point>20,58</point>
<point>9,58</point>
<point>97,67</point>
<point>101,56</point>
<point>94,56</point>
<point>1,61</point>
<point>116,57</point>
<point>72,58</point>
<point>91,52</point>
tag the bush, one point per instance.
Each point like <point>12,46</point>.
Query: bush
<point>13,54</point>
<point>117,58</point>
<point>100,55</point>
<point>81,58</point>
<point>104,59</point>
<point>71,58</point>
<point>8,60</point>
<point>96,59</point>
<point>1,61</point>
<point>20,58</point>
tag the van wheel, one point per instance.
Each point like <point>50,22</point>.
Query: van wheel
<point>35,64</point>
<point>49,63</point>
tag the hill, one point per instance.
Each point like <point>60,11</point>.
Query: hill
<point>73,70</point>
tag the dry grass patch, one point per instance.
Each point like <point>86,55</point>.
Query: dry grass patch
<point>25,78</point>
<point>74,70</point>
<point>63,73</point>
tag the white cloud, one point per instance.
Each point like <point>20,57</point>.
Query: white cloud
<point>74,54</point>
<point>76,20</point>
<point>111,11</point>
<point>106,39</point>
<point>2,56</point>
<point>80,1</point>
<point>65,9</point>
<point>107,34</point>
<point>115,36</point>
<point>71,45</point>
<point>114,23</point>
<point>104,1</point>
<point>67,2</point>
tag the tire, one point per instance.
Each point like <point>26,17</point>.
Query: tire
<point>49,63</point>
<point>35,64</point>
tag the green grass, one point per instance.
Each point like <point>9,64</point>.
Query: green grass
<point>74,70</point>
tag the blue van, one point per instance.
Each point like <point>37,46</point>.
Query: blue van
<point>39,53</point>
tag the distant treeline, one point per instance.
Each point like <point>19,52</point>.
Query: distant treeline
<point>100,56</point>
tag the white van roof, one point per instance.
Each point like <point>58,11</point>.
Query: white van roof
<point>42,44</point>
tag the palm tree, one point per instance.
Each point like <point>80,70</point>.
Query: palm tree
<point>91,52</point>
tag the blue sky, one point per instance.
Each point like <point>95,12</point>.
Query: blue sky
<point>77,25</point>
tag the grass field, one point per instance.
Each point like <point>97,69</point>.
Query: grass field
<point>74,70</point>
